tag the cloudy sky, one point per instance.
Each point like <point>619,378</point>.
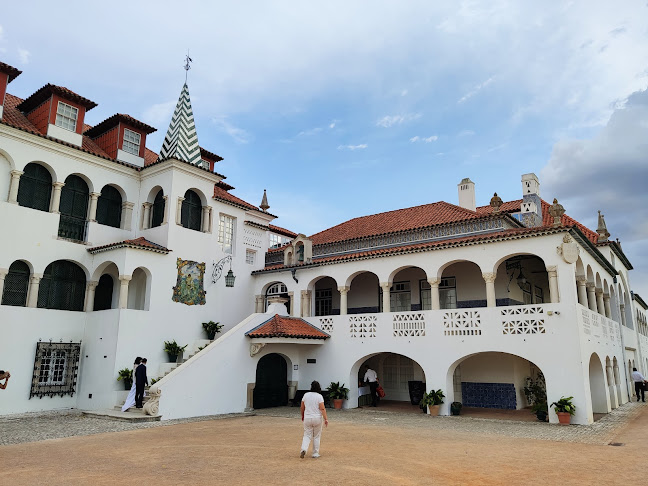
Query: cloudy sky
<point>346,108</point>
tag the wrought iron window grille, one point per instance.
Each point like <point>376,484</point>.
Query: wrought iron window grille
<point>56,368</point>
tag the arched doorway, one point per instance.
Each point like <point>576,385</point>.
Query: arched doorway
<point>74,209</point>
<point>104,293</point>
<point>597,385</point>
<point>402,378</point>
<point>271,385</point>
<point>277,289</point>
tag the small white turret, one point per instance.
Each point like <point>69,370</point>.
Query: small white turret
<point>467,194</point>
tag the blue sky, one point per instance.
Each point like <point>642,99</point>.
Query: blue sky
<point>350,108</point>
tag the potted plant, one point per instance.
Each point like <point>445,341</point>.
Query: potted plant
<point>338,393</point>
<point>126,375</point>
<point>564,409</point>
<point>541,410</point>
<point>432,401</point>
<point>212,328</point>
<point>173,350</point>
<point>455,408</point>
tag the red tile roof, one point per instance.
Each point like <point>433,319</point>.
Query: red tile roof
<point>281,231</point>
<point>140,243</point>
<point>209,156</point>
<point>286,327</point>
<point>393,221</point>
<point>221,194</point>
<point>225,186</point>
<point>150,157</point>
<point>46,91</point>
<point>113,121</point>
<point>10,70</point>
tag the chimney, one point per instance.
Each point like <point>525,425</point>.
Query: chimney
<point>531,206</point>
<point>467,194</point>
<point>7,75</point>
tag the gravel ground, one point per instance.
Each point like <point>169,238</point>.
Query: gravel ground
<point>17,429</point>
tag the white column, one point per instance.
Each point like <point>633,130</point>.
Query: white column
<point>552,273</point>
<point>92,210</point>
<point>434,291</point>
<point>123,291</point>
<point>91,286</point>
<point>606,306</point>
<point>127,215</point>
<point>591,296</point>
<point>303,303</point>
<point>293,310</point>
<point>165,219</point>
<point>3,274</point>
<point>622,312</point>
<point>489,278</point>
<point>309,303</point>
<point>56,197</point>
<point>13,186</point>
<point>343,300</point>
<point>205,219</point>
<point>258,303</point>
<point>146,217</point>
<point>386,288</point>
<point>34,282</point>
<point>179,210</point>
<point>581,282</point>
<point>600,308</point>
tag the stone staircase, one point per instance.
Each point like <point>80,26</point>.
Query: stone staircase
<point>134,414</point>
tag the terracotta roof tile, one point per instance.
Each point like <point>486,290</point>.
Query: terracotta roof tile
<point>225,186</point>
<point>140,243</point>
<point>209,156</point>
<point>150,157</point>
<point>10,70</point>
<point>46,91</point>
<point>281,231</point>
<point>113,121</point>
<point>286,327</point>
<point>392,221</point>
<point>221,194</point>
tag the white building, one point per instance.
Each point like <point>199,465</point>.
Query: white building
<point>110,249</point>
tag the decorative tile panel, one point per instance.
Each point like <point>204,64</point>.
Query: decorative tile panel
<point>587,326</point>
<point>489,395</point>
<point>462,323</point>
<point>409,324</point>
<point>526,319</point>
<point>326,324</point>
<point>362,326</point>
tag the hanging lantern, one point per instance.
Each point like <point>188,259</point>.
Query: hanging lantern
<point>521,280</point>
<point>229,279</point>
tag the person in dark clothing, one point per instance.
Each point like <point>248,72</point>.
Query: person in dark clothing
<point>140,381</point>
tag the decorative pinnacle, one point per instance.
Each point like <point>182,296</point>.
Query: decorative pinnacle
<point>496,202</point>
<point>264,202</point>
<point>602,230</point>
<point>556,210</point>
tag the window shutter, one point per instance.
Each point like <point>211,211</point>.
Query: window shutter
<point>16,285</point>
<point>109,207</point>
<point>158,209</point>
<point>191,211</point>
<point>62,287</point>
<point>35,187</point>
<point>74,208</point>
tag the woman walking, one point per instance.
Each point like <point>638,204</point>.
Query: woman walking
<point>312,412</point>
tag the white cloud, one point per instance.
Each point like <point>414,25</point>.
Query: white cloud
<point>159,114</point>
<point>332,124</point>
<point>466,133</point>
<point>404,92</point>
<point>308,133</point>
<point>476,89</point>
<point>353,147</point>
<point>391,120</point>
<point>238,134</point>
<point>23,55</point>
<point>416,138</point>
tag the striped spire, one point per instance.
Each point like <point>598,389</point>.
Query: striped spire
<point>181,141</point>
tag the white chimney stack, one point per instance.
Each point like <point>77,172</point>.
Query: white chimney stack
<point>467,194</point>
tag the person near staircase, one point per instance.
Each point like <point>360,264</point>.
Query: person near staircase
<point>141,380</point>
<point>130,399</point>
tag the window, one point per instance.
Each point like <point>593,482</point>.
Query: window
<point>74,208</point>
<point>62,287</point>
<point>132,142</point>
<point>66,116</point>
<point>400,297</point>
<point>55,369</point>
<point>538,297</point>
<point>226,232</point>
<point>191,212</point>
<point>16,285</point>
<point>277,289</point>
<point>448,293</point>
<point>425,292</point>
<point>250,257</point>
<point>158,209</point>
<point>277,240</point>
<point>323,302</point>
<point>526,291</point>
<point>109,207</point>
<point>300,253</point>
<point>35,187</point>
<point>104,293</point>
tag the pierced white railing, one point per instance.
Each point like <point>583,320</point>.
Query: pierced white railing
<point>462,323</point>
<point>363,326</point>
<point>523,320</point>
<point>408,324</point>
<point>326,324</point>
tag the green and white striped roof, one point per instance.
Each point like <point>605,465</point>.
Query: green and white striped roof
<point>181,141</point>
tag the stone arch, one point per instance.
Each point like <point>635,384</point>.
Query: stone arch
<point>364,293</point>
<point>6,166</point>
<point>279,289</point>
<point>271,381</point>
<point>85,178</point>
<point>325,296</point>
<point>409,289</point>
<point>598,388</point>
<point>49,168</point>
<point>139,289</point>
<point>522,279</point>
<point>106,297</point>
<point>461,284</point>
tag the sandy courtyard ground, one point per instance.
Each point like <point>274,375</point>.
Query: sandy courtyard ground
<point>265,450</point>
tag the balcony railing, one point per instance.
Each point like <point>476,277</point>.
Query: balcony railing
<point>72,228</point>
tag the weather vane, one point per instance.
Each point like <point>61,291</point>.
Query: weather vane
<point>187,66</point>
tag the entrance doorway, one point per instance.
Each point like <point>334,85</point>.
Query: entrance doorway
<point>271,386</point>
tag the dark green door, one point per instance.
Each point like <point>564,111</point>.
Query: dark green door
<point>271,388</point>
<point>74,208</point>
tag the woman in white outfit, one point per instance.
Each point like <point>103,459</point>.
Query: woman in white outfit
<point>130,399</point>
<point>312,412</point>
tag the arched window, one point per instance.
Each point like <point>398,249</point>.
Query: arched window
<point>109,207</point>
<point>191,211</point>
<point>16,285</point>
<point>62,287</point>
<point>74,208</point>
<point>158,209</point>
<point>104,293</point>
<point>35,187</point>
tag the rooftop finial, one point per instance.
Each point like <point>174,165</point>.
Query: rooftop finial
<point>187,65</point>
<point>264,202</point>
<point>602,230</point>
